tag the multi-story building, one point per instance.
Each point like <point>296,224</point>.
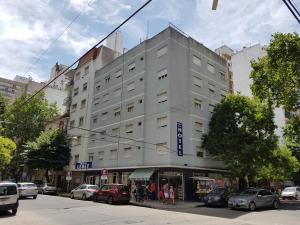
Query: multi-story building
<point>148,112</point>
<point>11,89</point>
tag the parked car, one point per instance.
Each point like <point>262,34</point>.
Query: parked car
<point>84,191</point>
<point>112,193</point>
<point>254,198</point>
<point>291,193</point>
<point>9,197</point>
<point>39,184</point>
<point>49,189</point>
<point>27,189</point>
<point>217,197</point>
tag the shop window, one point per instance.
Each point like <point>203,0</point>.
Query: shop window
<point>125,177</point>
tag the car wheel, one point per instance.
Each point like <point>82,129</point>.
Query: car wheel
<point>34,197</point>
<point>84,197</point>
<point>275,204</point>
<point>252,206</point>
<point>110,200</point>
<point>72,196</point>
<point>14,211</point>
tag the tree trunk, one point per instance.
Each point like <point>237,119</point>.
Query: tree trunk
<point>47,176</point>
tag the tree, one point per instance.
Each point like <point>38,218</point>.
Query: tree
<point>281,167</point>
<point>292,133</point>
<point>49,151</point>
<point>25,122</point>
<point>276,76</point>
<point>7,147</point>
<point>241,134</point>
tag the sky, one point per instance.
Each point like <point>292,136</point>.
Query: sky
<point>34,34</point>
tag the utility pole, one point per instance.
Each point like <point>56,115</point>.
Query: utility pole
<point>214,5</point>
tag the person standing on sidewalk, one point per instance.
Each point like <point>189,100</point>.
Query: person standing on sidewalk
<point>152,190</point>
<point>172,195</point>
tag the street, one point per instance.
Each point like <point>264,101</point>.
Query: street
<point>56,210</point>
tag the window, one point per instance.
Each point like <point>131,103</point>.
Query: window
<point>129,129</point>
<point>95,119</point>
<point>197,103</point>
<point>76,90</point>
<point>104,115</point>
<point>161,148</point>
<point>83,103</point>
<point>103,134</point>
<point>199,127</point>
<point>106,97</point>
<point>81,121</point>
<point>84,87</point>
<point>130,86</point>
<point>127,152</point>
<point>113,154</point>
<point>72,124</point>
<point>197,81</point>
<point>162,121</point>
<point>130,107</point>
<point>91,157</point>
<point>196,60</point>
<point>162,51</point>
<point>210,68</point>
<point>77,76</point>
<point>118,74</point>
<point>93,138</point>
<point>222,75</point>
<point>115,131</point>
<point>74,107</point>
<point>77,140</point>
<point>223,93</point>
<point>211,89</point>
<point>100,155</point>
<point>200,152</point>
<point>117,92</point>
<point>117,112</point>
<point>162,97</point>
<point>76,159</point>
<point>96,101</point>
<point>86,70</point>
<point>162,74</point>
<point>211,108</point>
<point>131,67</point>
<point>107,79</point>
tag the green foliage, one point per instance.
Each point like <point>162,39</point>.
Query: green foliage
<point>276,76</point>
<point>241,134</point>
<point>282,165</point>
<point>292,133</point>
<point>7,147</point>
<point>50,150</point>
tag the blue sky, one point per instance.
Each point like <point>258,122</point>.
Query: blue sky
<point>28,27</point>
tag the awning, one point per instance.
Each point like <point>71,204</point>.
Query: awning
<point>142,174</point>
<point>203,178</point>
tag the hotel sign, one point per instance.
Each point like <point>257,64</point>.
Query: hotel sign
<point>179,139</point>
<point>83,165</point>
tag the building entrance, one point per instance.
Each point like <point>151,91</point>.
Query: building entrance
<point>174,179</point>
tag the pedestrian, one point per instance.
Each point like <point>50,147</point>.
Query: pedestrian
<point>172,195</point>
<point>152,190</point>
<point>166,195</point>
<point>161,195</point>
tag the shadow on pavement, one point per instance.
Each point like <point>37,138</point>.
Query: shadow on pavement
<point>5,214</point>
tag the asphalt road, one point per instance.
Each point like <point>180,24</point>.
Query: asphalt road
<point>53,210</point>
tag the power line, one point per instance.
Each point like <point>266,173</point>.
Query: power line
<point>292,3</point>
<point>56,39</point>
<point>291,10</point>
<point>70,66</point>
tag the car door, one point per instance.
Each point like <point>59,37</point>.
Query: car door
<point>268,198</point>
<point>76,191</point>
<point>102,193</point>
<point>259,200</point>
<point>81,191</point>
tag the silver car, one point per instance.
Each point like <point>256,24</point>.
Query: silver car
<point>27,189</point>
<point>84,191</point>
<point>254,198</point>
<point>291,193</point>
<point>49,189</point>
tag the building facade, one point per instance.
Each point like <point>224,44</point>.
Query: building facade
<point>148,112</point>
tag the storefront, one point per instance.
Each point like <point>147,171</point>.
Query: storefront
<point>174,179</point>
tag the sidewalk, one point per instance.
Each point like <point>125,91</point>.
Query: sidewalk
<point>158,205</point>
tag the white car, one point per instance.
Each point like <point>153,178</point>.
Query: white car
<point>291,193</point>
<point>27,189</point>
<point>9,197</point>
<point>84,191</point>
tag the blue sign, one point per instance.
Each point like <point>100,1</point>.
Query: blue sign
<point>83,165</point>
<point>179,139</point>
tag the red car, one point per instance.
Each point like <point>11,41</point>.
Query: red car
<point>112,193</point>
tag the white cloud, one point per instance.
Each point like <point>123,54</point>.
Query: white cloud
<point>82,5</point>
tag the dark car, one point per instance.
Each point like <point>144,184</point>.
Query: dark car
<point>112,193</point>
<point>217,197</point>
<point>254,198</point>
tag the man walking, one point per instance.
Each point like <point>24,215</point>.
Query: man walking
<point>152,190</point>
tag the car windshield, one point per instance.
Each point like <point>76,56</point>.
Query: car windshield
<point>94,187</point>
<point>290,189</point>
<point>217,191</point>
<point>50,185</point>
<point>249,192</point>
<point>29,185</point>
<point>8,190</point>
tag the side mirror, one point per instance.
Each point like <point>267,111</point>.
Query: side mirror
<point>259,196</point>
